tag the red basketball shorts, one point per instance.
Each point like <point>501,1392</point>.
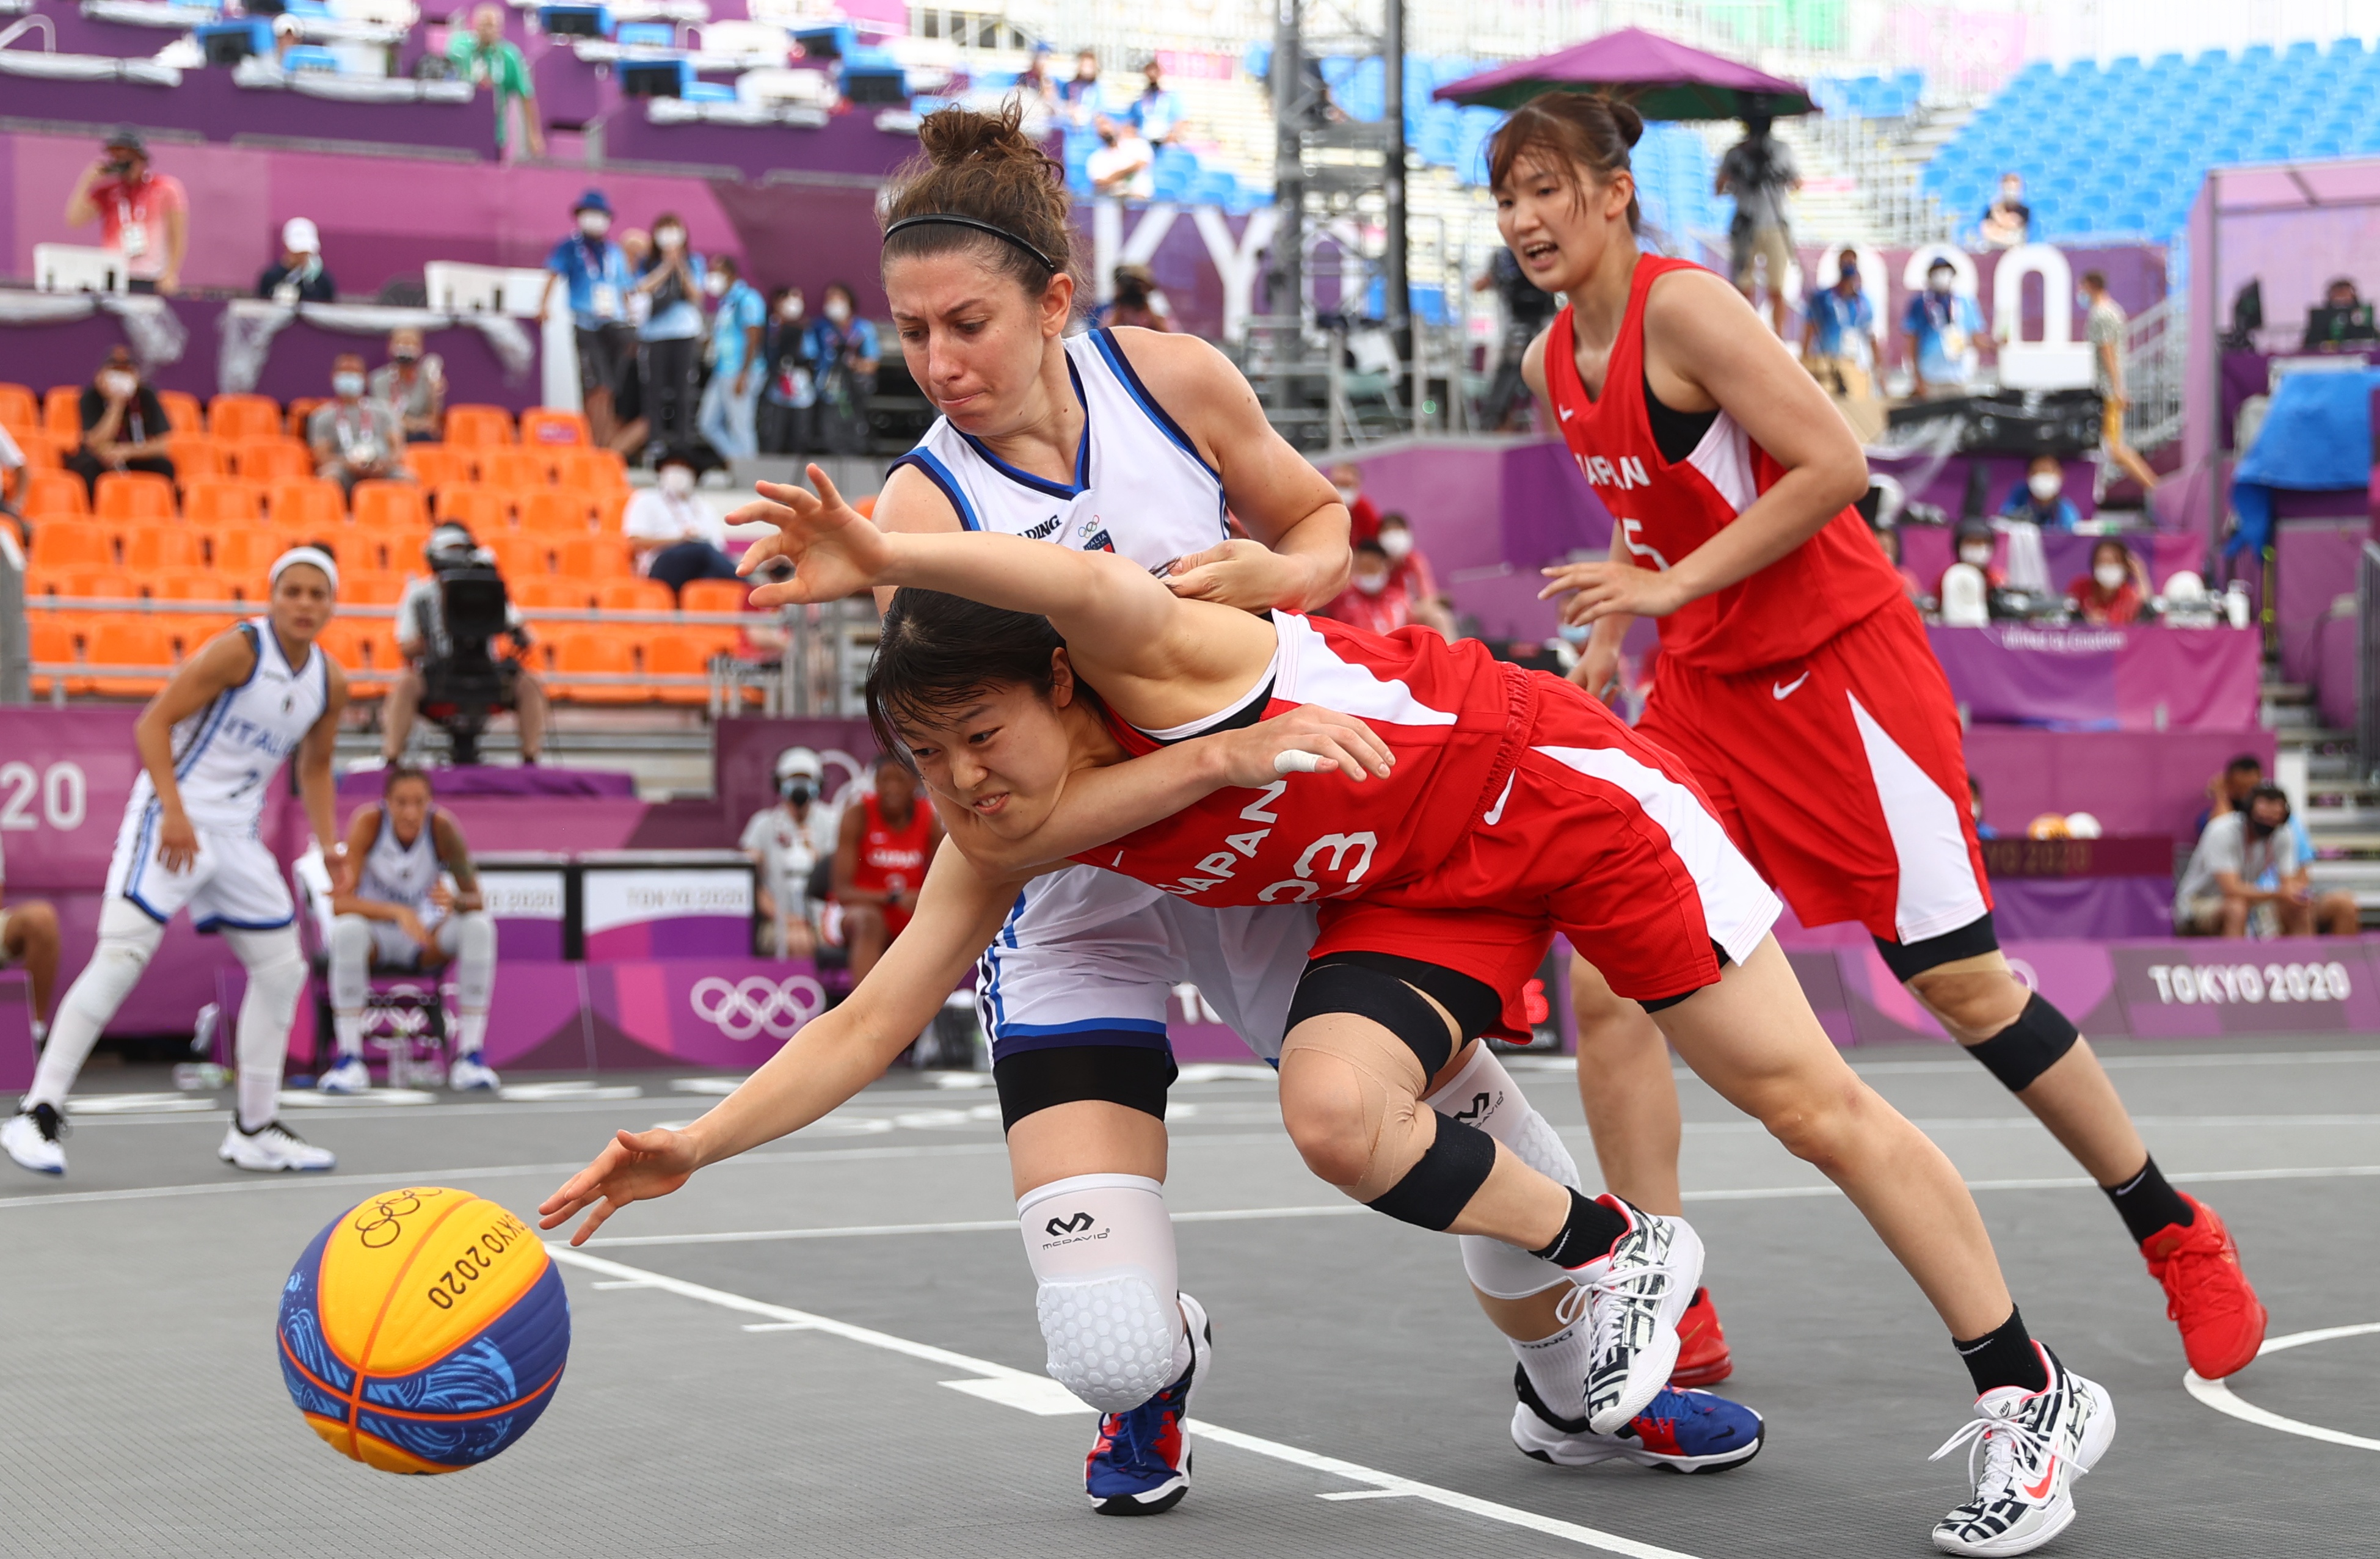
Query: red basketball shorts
<point>1599,834</point>
<point>1841,775</point>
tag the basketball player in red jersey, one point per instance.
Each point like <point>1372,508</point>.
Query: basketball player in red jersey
<point>880,861</point>
<point>1509,805</point>
<point>1795,680</point>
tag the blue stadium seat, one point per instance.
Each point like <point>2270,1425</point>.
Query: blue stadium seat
<point>647,35</point>
<point>706,91</point>
<point>309,56</point>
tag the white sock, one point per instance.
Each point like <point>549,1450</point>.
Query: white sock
<point>349,1027</point>
<point>1557,1368</point>
<point>472,1034</point>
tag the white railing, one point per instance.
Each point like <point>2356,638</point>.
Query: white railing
<point>2156,343</point>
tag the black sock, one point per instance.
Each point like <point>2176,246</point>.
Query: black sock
<point>2147,1204</point>
<point>2004,1356</point>
<point>1587,1234</point>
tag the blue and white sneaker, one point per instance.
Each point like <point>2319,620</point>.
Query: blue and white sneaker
<point>348,1076</point>
<point>1140,1465</point>
<point>1683,1431</point>
<point>470,1074</point>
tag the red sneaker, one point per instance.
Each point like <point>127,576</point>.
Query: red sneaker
<point>2206,1293</point>
<point>1702,1358</point>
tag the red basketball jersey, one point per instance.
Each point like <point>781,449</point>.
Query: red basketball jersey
<point>1665,510</point>
<point>1454,716</point>
<point>892,858</point>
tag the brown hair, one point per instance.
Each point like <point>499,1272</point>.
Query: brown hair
<point>1579,134</point>
<point>984,167</point>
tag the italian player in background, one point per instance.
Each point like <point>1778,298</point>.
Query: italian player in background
<point>210,745</point>
<point>1795,682</point>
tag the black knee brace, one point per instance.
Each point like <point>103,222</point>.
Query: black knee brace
<point>1435,1190</point>
<point>2026,1048</point>
<point>1135,1075</point>
<point>1351,984</point>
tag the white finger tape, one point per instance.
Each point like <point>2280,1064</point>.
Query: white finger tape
<point>1294,762</point>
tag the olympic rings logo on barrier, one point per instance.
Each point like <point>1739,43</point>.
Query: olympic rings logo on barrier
<point>746,1008</point>
<point>379,1224</point>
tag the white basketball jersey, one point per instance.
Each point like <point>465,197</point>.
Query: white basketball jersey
<point>1140,488</point>
<point>395,873</point>
<point>225,755</point>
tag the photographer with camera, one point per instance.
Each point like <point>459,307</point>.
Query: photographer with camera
<point>445,626</point>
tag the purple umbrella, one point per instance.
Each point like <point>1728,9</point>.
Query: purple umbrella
<point>1661,78</point>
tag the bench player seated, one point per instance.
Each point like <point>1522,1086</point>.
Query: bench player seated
<point>29,936</point>
<point>399,915</point>
<point>887,836</point>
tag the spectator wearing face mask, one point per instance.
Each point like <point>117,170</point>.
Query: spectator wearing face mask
<point>843,356</point>
<point>142,215</point>
<point>2237,856</point>
<point>1975,546</point>
<point>731,401</point>
<point>413,383</point>
<point>671,336</point>
<point>1157,113</point>
<point>298,276</point>
<point>123,427</point>
<point>1409,570</point>
<point>1941,324</point>
<point>673,533</point>
<point>1363,515</point>
<point>2039,498</point>
<point>1373,599</point>
<point>354,439</point>
<point>787,842</point>
<point>790,392</point>
<point>593,272</point>
<point>2112,593</point>
<point>2008,220</point>
<point>1836,334</point>
<point>1082,96</point>
<point>1125,167</point>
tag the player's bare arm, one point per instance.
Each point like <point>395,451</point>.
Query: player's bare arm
<point>829,1059</point>
<point>226,661</point>
<point>454,855</point>
<point>1298,557</point>
<point>318,788</point>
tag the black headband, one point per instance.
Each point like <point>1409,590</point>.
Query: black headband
<point>952,219</point>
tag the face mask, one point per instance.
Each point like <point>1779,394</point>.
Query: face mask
<point>594,223</point>
<point>1979,556</point>
<point>1371,583</point>
<point>2044,485</point>
<point>2110,576</point>
<point>796,791</point>
<point>715,284</point>
<point>405,359</point>
<point>790,310</point>
<point>676,480</point>
<point>1347,494</point>
<point>117,382</point>
<point>2258,828</point>
<point>837,310</point>
<point>1395,543</point>
<point>347,386</point>
<point>1940,286</point>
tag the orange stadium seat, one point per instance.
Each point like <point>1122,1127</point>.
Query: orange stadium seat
<point>79,583</point>
<point>594,469</point>
<point>20,409</point>
<point>713,594</point>
<point>518,557</point>
<point>554,511</point>
<point>594,557</point>
<point>516,468</point>
<point>438,466</point>
<point>130,641</point>
<point>133,495</point>
<point>485,510</point>
<point>72,546</point>
<point>370,588</point>
<point>183,583</point>
<point>307,503</point>
<point>592,649</point>
<point>212,501</point>
<point>352,644</point>
<point>62,414</point>
<point>634,595</point>
<point>478,425</point>
<point>271,459</point>
<point>194,455</point>
<point>182,413</point>
<point>52,644</point>
<point>387,505</point>
<point>59,493</point>
<point>244,417</point>
<point>300,409</point>
<point>535,593</point>
<point>670,655</point>
<point>551,425</point>
<point>150,548</point>
<point>42,453</point>
<point>243,552</point>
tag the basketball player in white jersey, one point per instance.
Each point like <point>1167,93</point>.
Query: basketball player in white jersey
<point>401,916</point>
<point>211,746</point>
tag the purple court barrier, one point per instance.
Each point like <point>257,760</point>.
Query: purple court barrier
<point>2104,679</point>
<point>16,1053</point>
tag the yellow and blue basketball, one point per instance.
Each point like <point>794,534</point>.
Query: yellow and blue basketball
<point>423,1331</point>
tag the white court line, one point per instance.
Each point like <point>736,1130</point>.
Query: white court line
<point>2113,1063</point>
<point>1384,1482</point>
<point>2219,1395</point>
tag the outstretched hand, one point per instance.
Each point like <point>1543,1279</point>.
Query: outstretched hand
<point>1306,740</point>
<point>634,1166</point>
<point>835,551</point>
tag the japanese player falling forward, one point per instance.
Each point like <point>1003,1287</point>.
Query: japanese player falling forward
<point>1130,443</point>
<point>1796,684</point>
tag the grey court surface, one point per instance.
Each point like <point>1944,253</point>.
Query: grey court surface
<point>828,1348</point>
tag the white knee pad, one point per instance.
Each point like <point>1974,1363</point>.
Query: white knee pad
<point>1484,1093</point>
<point>1101,1247</point>
<point>351,952</point>
<point>470,939</point>
<point>276,978</point>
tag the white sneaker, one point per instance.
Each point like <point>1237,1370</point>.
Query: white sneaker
<point>1635,1295</point>
<point>348,1076</point>
<point>2033,1445</point>
<point>272,1147</point>
<point>469,1073</point>
<point>31,1139</point>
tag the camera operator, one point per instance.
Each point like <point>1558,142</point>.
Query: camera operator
<point>431,655</point>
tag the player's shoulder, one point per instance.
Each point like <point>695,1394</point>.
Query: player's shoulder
<point>1174,366</point>
<point>914,497</point>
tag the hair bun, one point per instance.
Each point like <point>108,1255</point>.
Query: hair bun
<point>952,135</point>
<point>1630,123</point>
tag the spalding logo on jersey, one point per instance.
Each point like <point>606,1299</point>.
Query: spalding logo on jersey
<point>1349,855</point>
